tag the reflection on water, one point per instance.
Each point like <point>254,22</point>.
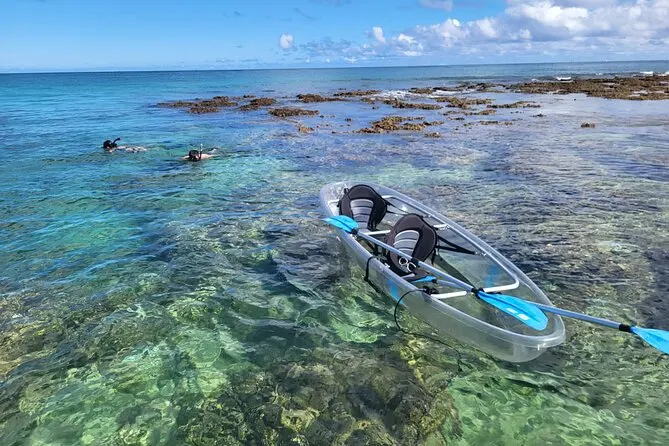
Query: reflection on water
<point>148,301</point>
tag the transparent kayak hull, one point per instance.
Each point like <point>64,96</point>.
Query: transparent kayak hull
<point>452,312</point>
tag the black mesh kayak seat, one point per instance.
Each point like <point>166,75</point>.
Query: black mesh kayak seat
<point>364,205</point>
<point>413,236</point>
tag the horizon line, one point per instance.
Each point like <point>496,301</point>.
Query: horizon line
<point>167,70</point>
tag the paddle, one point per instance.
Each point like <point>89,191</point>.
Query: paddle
<point>655,338</point>
<point>658,339</point>
<point>525,312</point>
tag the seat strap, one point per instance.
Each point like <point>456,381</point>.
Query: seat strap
<point>453,247</point>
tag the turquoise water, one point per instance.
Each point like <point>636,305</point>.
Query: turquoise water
<point>144,300</point>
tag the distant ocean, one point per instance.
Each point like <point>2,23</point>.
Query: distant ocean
<point>146,300</point>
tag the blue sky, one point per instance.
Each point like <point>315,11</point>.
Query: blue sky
<point>45,35</point>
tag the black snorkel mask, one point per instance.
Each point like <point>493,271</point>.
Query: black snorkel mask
<point>194,155</point>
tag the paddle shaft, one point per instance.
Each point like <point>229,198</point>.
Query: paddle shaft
<point>571,314</point>
<point>453,281</point>
<point>584,317</point>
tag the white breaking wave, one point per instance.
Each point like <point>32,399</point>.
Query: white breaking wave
<point>393,94</point>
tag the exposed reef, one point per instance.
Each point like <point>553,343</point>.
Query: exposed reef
<point>255,104</point>
<point>309,98</point>
<point>288,112</point>
<point>630,88</point>
<point>395,123</point>
<point>200,106</point>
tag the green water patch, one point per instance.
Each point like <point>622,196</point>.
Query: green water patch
<point>323,399</point>
<point>533,408</point>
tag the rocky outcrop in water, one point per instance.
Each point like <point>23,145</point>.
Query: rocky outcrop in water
<point>519,104</point>
<point>255,104</point>
<point>355,93</point>
<point>397,103</point>
<point>395,123</point>
<point>631,88</point>
<point>309,98</point>
<point>463,103</point>
<point>288,112</point>
<point>200,106</point>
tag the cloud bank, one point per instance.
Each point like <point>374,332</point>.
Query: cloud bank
<point>525,27</point>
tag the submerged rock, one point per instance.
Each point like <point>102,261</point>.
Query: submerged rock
<point>322,400</point>
<point>286,112</point>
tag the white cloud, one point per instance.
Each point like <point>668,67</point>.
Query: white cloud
<point>286,41</point>
<point>403,38</point>
<point>377,33</point>
<point>487,27</point>
<point>350,59</point>
<point>526,27</point>
<point>446,5</point>
<point>549,15</point>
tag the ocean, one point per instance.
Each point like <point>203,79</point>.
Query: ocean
<point>147,300</point>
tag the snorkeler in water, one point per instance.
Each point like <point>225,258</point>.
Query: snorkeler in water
<point>110,146</point>
<point>197,155</point>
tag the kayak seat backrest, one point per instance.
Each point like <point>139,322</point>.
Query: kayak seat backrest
<point>413,236</point>
<point>363,204</point>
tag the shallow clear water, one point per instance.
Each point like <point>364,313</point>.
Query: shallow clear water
<point>144,300</point>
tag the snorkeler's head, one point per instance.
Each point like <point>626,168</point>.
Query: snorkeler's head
<point>194,155</point>
<point>108,145</point>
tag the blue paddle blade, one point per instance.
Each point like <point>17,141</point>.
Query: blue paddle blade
<point>524,311</point>
<point>343,222</point>
<point>657,338</point>
<point>425,279</point>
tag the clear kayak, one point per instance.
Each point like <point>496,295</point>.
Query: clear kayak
<point>451,311</point>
